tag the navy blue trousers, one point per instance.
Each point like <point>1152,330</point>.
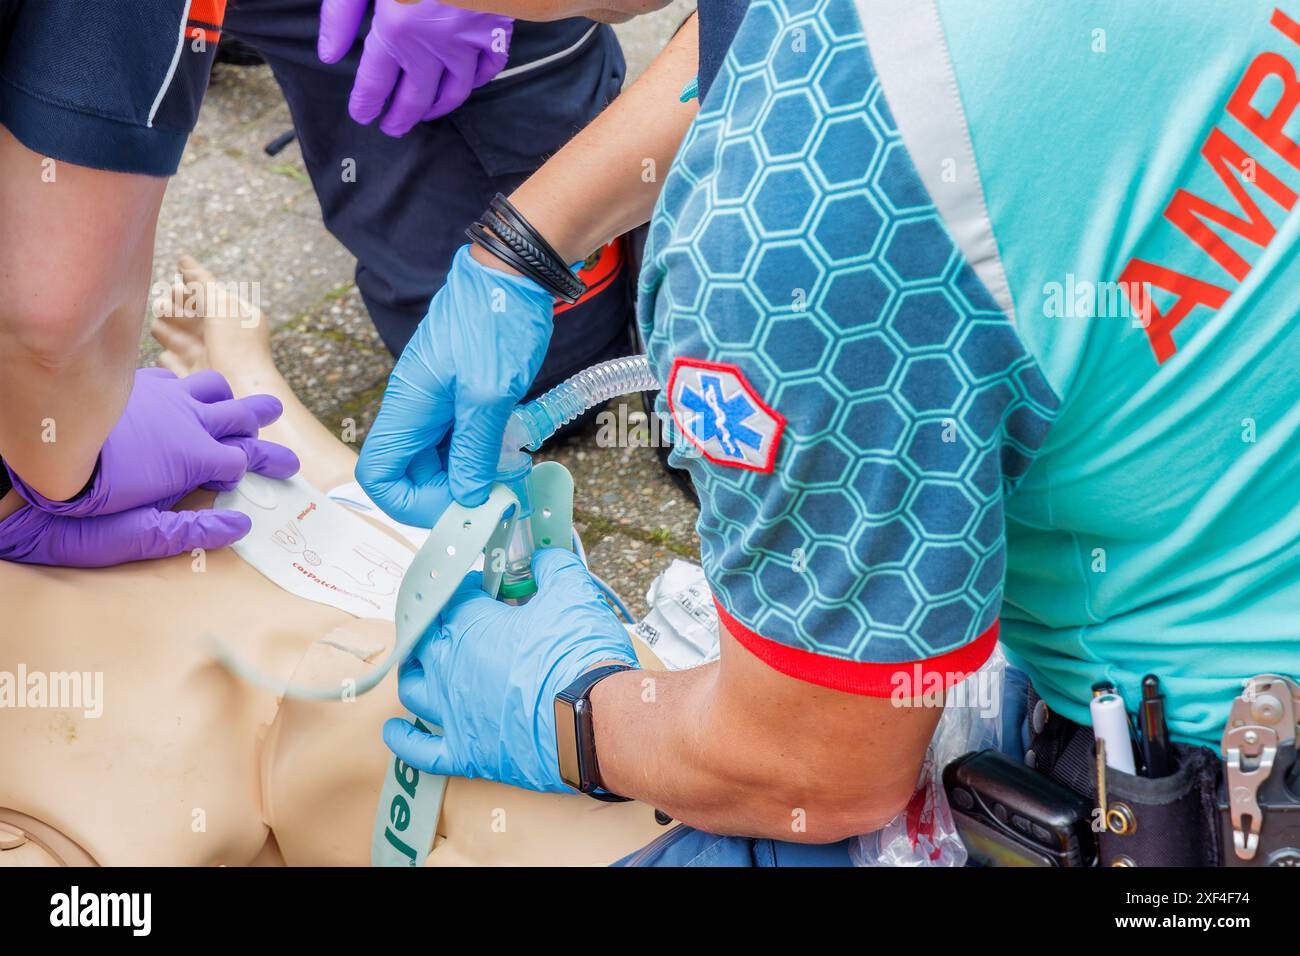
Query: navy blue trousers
<point>405,214</point>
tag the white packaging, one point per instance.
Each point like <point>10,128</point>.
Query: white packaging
<point>682,626</point>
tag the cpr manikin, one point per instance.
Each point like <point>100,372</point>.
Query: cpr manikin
<point>189,765</point>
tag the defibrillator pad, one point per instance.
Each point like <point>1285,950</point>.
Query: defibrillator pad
<point>315,548</point>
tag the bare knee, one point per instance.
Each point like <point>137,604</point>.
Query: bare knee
<point>48,327</point>
<point>76,250</point>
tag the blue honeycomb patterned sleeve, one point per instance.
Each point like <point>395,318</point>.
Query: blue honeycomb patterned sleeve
<point>851,403</point>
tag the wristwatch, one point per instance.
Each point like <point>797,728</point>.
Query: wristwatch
<point>575,734</point>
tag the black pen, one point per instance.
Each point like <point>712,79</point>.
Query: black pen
<point>1155,733</point>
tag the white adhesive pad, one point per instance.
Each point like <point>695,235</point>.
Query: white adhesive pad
<point>315,548</point>
<point>355,497</point>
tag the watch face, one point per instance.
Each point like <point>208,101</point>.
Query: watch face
<point>566,744</point>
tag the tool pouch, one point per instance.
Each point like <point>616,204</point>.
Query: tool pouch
<point>1162,821</point>
<point>1139,821</point>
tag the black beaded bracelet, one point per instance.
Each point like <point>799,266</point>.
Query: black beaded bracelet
<point>505,233</point>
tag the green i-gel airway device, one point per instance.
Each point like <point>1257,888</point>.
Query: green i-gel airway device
<point>529,507</point>
<point>529,426</point>
<point>410,802</point>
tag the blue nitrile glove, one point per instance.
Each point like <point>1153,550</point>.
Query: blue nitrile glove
<point>489,672</point>
<point>468,365</point>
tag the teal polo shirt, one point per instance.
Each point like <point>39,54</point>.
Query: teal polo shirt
<point>977,320</point>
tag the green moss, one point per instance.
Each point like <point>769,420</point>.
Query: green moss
<point>293,171</point>
<point>599,527</point>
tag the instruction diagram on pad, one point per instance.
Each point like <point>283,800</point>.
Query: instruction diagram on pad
<point>315,548</point>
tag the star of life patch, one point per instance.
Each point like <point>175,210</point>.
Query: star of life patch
<point>719,412</point>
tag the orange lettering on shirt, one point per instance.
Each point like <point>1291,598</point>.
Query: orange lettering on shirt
<point>1269,128</point>
<point>1139,274</point>
<point>1188,212</point>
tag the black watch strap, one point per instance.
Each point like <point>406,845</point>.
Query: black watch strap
<point>575,734</point>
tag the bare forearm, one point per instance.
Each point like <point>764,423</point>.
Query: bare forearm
<point>606,180</point>
<point>657,740</point>
<point>609,11</point>
<point>734,748</point>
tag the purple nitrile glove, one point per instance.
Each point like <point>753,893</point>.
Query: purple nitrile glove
<point>33,536</point>
<point>428,56</point>
<point>175,435</point>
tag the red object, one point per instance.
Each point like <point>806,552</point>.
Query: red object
<point>599,275</point>
<point>770,462</point>
<point>206,17</point>
<point>860,677</point>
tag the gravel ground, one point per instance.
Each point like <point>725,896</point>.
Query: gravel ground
<point>254,218</point>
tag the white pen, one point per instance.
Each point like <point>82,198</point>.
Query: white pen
<point>1110,723</point>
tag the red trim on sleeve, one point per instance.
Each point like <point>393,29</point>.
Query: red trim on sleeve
<point>858,677</point>
<point>206,17</point>
<point>211,12</point>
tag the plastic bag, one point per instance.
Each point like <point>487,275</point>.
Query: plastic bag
<point>924,834</point>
